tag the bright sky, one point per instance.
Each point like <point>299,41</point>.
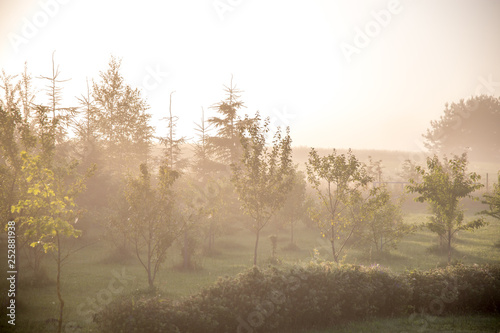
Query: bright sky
<point>359,74</point>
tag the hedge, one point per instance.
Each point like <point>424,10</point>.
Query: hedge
<point>316,295</point>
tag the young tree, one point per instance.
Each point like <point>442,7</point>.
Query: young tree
<point>190,211</point>
<point>337,180</point>
<point>203,163</point>
<point>493,201</point>
<point>46,212</point>
<point>23,127</point>
<point>260,178</point>
<point>443,185</point>
<point>60,115</point>
<point>87,129</point>
<point>172,156</point>
<point>16,135</point>
<point>294,208</point>
<point>409,171</point>
<point>374,169</point>
<point>384,220</point>
<point>152,226</point>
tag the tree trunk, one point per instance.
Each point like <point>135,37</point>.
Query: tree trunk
<point>255,250</point>
<point>58,286</point>
<point>150,257</point>
<point>449,247</point>
<point>335,256</point>
<point>210,231</point>
<point>185,252</point>
<point>332,240</point>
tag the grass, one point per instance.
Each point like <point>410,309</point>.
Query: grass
<point>456,324</point>
<point>97,274</point>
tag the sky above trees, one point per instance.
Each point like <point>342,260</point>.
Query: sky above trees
<point>369,74</point>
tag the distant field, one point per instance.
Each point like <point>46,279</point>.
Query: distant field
<point>88,273</point>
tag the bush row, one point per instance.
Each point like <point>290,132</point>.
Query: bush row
<point>316,295</point>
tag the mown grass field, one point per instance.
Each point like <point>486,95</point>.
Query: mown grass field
<point>95,275</point>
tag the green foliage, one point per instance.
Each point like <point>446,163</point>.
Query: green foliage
<point>409,171</point>
<point>315,295</point>
<point>456,290</point>
<point>295,206</point>
<point>261,178</point>
<point>48,208</point>
<point>151,224</point>
<point>443,185</point>
<point>225,145</point>
<point>337,180</point>
<point>493,201</point>
<point>471,123</point>
<point>119,120</point>
<point>384,225</point>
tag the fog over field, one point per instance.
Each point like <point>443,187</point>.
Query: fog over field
<point>375,72</point>
<point>250,166</point>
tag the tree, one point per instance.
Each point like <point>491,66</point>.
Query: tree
<point>470,124</point>
<point>190,211</point>
<point>122,121</point>
<point>261,178</point>
<point>384,220</point>
<point>203,164</point>
<point>294,208</point>
<point>28,127</point>
<point>16,135</point>
<point>63,116</point>
<point>337,180</point>
<point>151,226</point>
<point>226,144</point>
<point>211,186</point>
<point>443,185</point>
<point>493,201</point>
<point>47,211</point>
<point>173,152</point>
<point>408,171</point>
<point>374,169</point>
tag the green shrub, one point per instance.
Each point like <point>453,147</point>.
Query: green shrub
<point>456,289</point>
<point>316,295</point>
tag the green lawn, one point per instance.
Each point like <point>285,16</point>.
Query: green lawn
<point>464,324</point>
<point>89,280</point>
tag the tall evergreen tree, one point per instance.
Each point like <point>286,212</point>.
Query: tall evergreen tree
<point>226,143</point>
<point>122,120</point>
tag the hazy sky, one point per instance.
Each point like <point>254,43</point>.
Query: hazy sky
<point>359,74</point>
